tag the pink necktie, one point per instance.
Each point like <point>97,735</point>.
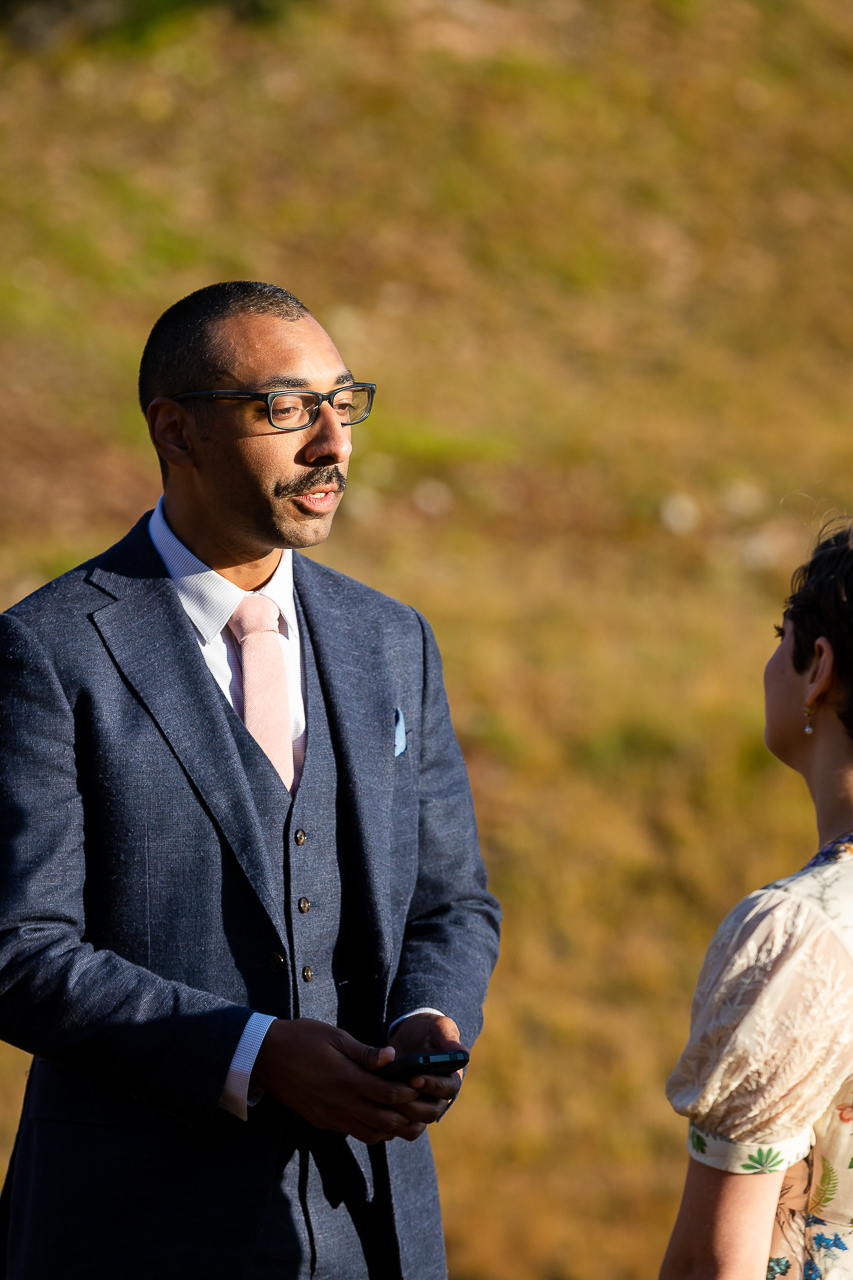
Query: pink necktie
<point>266,708</point>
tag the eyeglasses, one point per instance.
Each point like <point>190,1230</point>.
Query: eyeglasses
<point>296,410</point>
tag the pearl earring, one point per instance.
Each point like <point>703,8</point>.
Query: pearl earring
<point>808,712</point>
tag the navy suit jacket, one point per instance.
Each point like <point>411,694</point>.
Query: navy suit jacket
<point>139,904</point>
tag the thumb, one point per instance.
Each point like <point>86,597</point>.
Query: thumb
<point>366,1055</point>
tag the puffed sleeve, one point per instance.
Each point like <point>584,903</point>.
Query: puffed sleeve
<point>771,1035</point>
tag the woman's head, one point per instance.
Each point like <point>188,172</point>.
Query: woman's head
<point>810,677</point>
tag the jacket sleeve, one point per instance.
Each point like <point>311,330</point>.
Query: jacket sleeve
<point>114,1021</point>
<point>452,931</point>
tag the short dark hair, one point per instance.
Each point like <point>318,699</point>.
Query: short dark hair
<point>179,355</point>
<point>821,604</point>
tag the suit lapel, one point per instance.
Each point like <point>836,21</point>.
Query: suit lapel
<point>153,644</point>
<point>356,682</point>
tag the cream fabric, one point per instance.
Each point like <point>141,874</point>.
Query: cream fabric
<point>766,1078</point>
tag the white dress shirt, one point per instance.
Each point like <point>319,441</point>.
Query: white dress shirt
<point>209,601</point>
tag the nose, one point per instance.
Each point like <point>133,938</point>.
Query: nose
<point>330,442</point>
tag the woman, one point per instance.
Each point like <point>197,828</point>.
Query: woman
<point>767,1076</point>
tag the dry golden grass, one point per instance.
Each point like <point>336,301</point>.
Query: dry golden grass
<point>597,254</point>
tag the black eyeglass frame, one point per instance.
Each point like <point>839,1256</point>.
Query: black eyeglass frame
<point>267,397</point>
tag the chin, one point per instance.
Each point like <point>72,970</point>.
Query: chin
<point>306,533</point>
<point>779,744</point>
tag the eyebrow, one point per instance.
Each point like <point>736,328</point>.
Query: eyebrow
<point>275,384</point>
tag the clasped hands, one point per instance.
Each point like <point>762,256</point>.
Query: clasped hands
<point>328,1077</point>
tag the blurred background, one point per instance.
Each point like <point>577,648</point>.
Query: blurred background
<point>598,256</point>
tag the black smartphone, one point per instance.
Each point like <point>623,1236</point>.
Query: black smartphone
<point>424,1064</point>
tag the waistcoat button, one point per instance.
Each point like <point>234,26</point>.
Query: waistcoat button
<point>307,973</point>
<point>300,837</point>
<point>304,905</point>
<point>276,962</point>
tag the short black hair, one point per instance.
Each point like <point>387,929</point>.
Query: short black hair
<point>179,355</point>
<point>821,604</point>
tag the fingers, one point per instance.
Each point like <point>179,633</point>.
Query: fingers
<point>365,1055</point>
<point>329,1078</point>
<point>371,1124</point>
<point>445,1035</point>
<point>425,1110</point>
<point>389,1093</point>
<point>438,1086</point>
<point>413,1132</point>
<point>425,1032</point>
<point>369,1133</point>
<point>406,1128</point>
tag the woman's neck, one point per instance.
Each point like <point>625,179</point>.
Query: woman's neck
<point>828,771</point>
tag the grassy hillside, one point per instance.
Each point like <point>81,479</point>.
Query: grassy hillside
<point>597,256</point>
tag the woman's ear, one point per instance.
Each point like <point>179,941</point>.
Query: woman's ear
<point>821,672</point>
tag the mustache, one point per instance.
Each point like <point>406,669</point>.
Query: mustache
<point>318,478</point>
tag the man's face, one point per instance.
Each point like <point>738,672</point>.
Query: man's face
<point>267,487</point>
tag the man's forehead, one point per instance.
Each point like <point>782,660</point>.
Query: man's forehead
<point>270,351</point>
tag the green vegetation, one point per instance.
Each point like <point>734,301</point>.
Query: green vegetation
<point>597,256</point>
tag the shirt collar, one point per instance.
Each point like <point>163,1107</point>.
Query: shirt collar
<point>207,597</point>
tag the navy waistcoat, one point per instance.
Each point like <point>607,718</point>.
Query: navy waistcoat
<point>301,836</point>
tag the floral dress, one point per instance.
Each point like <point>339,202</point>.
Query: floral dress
<point>766,1079</point>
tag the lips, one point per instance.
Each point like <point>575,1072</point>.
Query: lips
<point>319,500</point>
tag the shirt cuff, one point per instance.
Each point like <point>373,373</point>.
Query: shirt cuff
<point>770,1156</point>
<point>411,1014</point>
<point>236,1096</point>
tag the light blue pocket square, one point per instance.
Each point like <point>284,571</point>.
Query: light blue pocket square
<point>399,731</point>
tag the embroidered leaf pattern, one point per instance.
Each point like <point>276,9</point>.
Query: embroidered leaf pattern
<point>764,1162</point>
<point>826,1188</point>
<point>778,1267</point>
<point>698,1143</point>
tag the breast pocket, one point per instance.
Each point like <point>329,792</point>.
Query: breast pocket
<point>401,737</point>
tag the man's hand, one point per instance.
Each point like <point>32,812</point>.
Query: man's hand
<point>325,1075</point>
<point>428,1033</point>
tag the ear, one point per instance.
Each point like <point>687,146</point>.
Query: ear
<point>821,672</point>
<point>167,425</point>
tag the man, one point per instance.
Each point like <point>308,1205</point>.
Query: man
<point>239,864</point>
